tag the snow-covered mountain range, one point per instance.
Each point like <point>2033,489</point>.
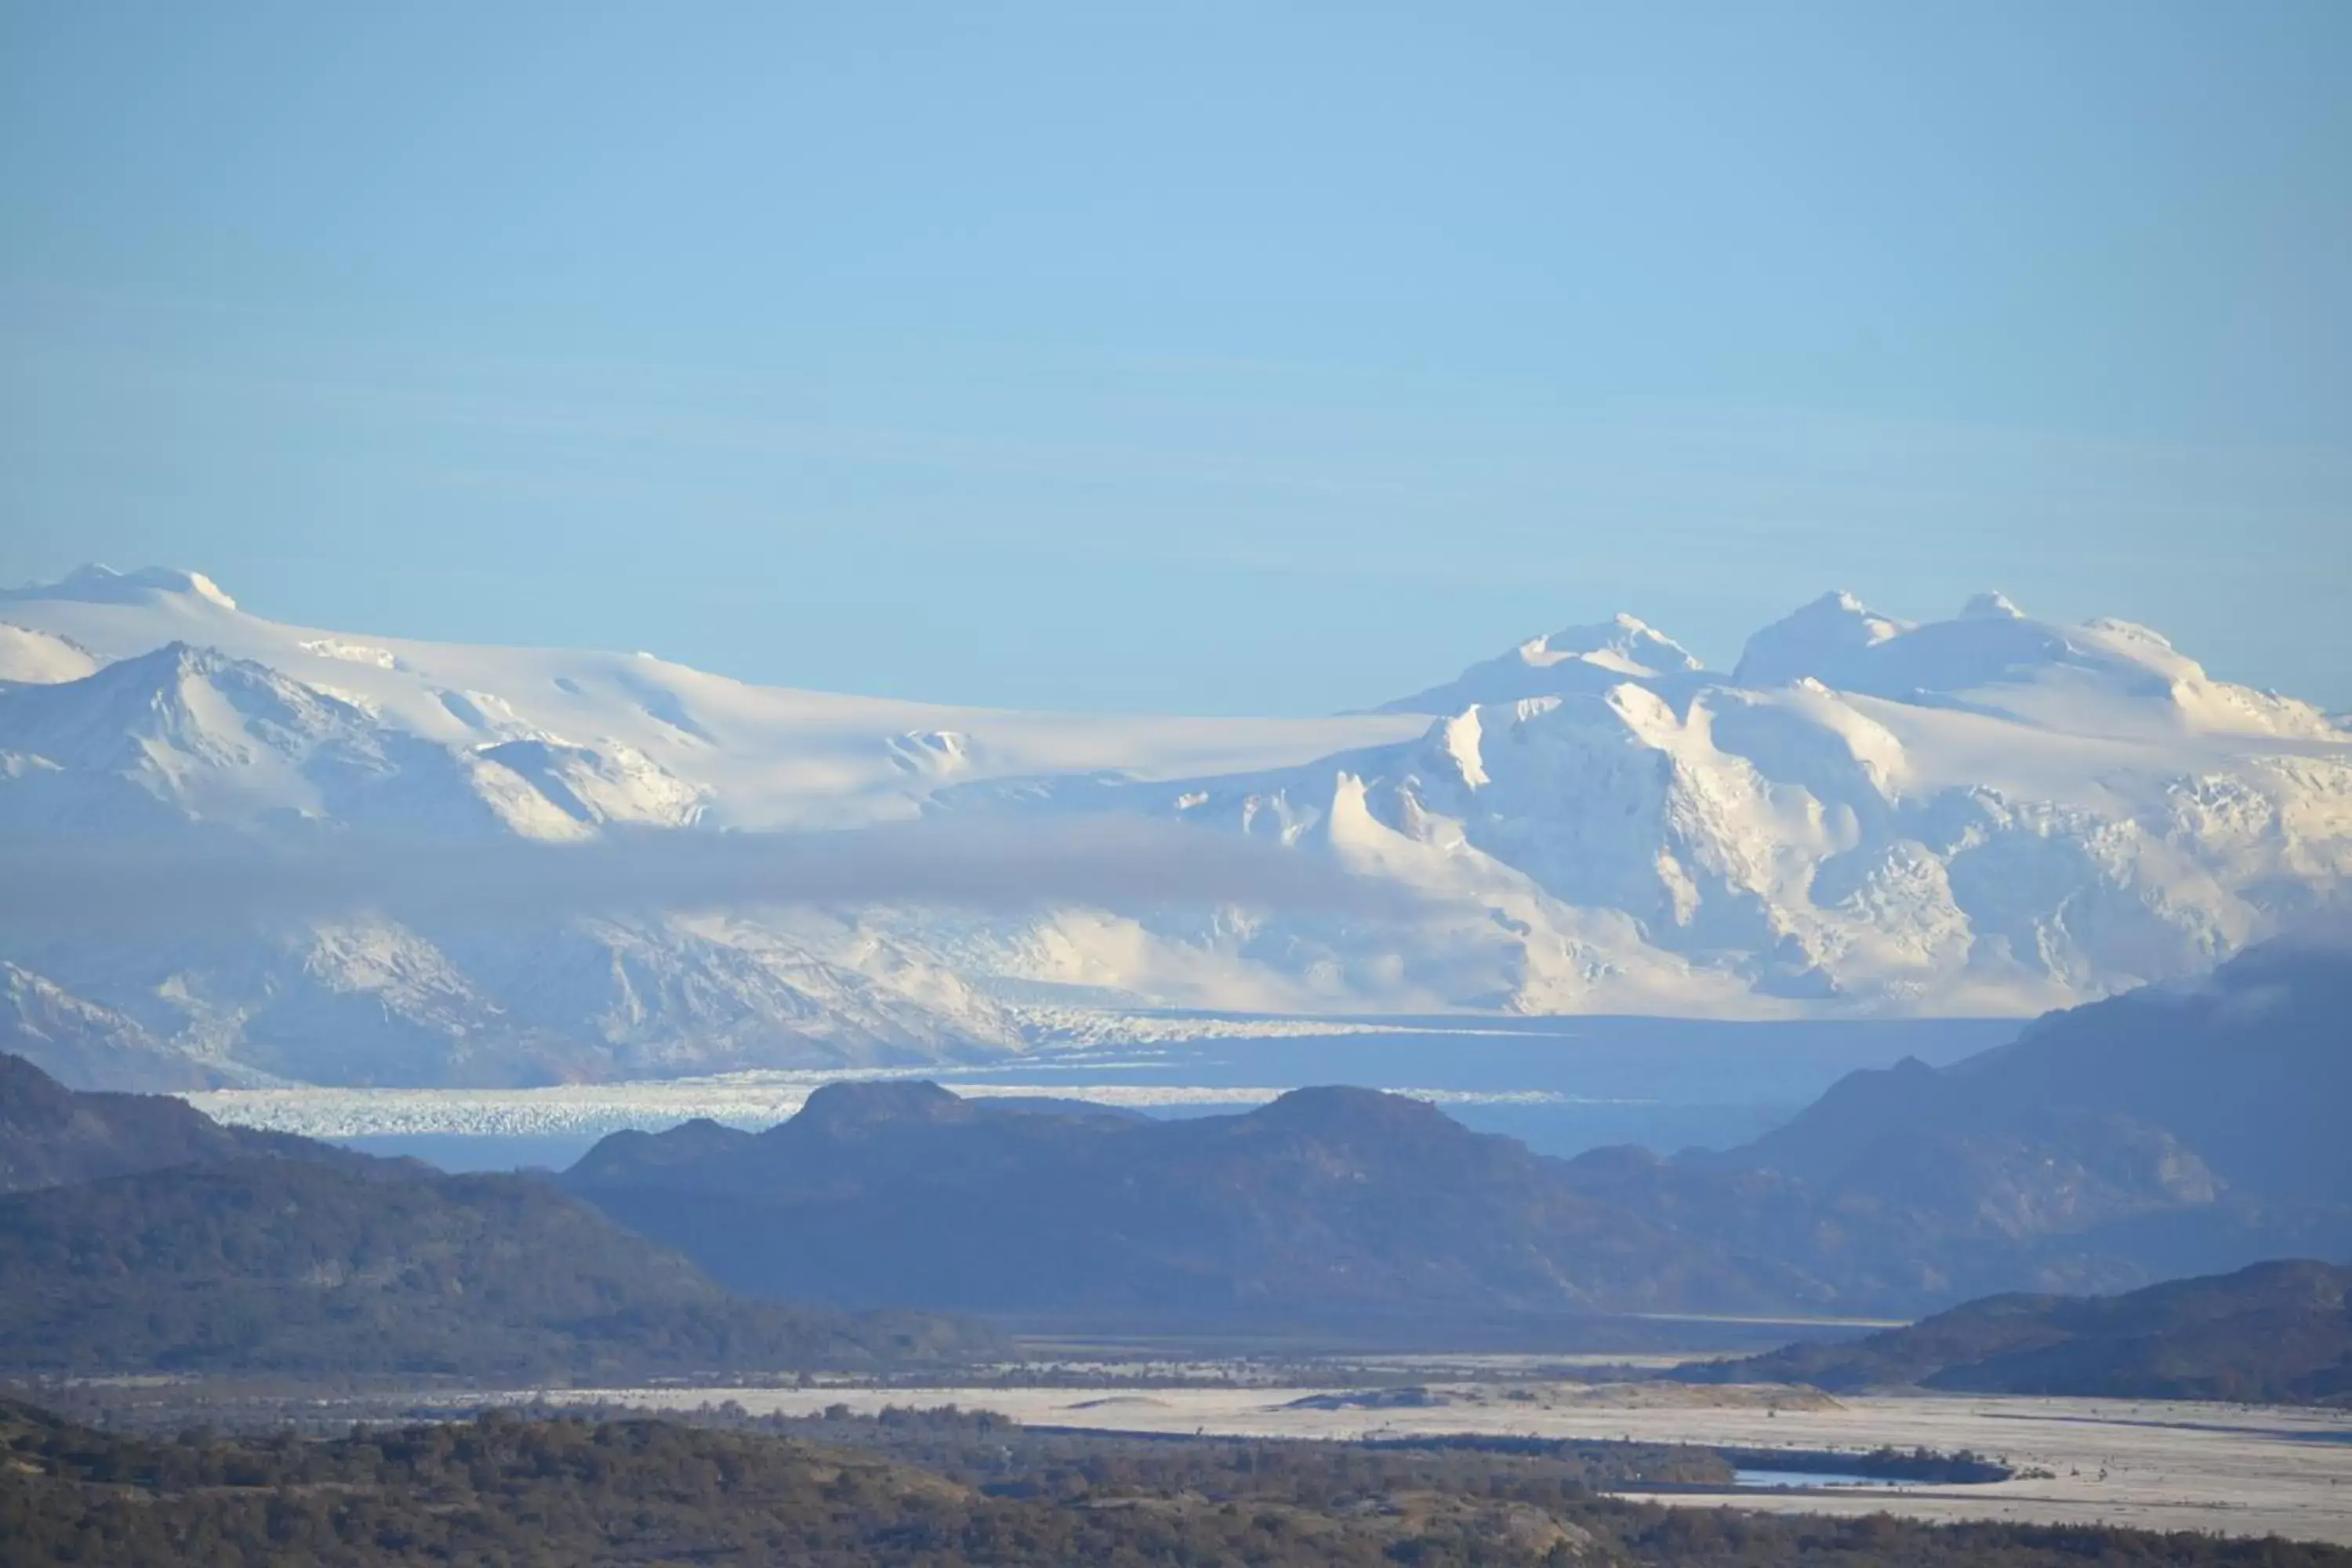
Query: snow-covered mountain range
<point>1988,815</point>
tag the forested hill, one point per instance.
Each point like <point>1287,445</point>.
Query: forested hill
<point>218,1250</point>
<point>1326,1200</point>
<point>51,1134</point>
<point>2273,1332</point>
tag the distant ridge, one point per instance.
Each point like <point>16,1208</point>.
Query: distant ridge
<point>2157,1134</point>
<point>143,1236</point>
<point>2249,1072</point>
<point>1327,1200</point>
<point>2272,1332</point>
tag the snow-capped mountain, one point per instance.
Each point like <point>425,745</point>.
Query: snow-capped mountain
<point>31,657</point>
<point>1578,659</point>
<point>2106,676</point>
<point>756,757</point>
<point>1990,814</point>
<point>146,708</point>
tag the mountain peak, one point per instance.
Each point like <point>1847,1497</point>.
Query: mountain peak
<point>1586,658</point>
<point>1994,657</point>
<point>209,710</point>
<point>1623,642</point>
<point>31,657</point>
<point>1991,607</point>
<point>1813,641</point>
<point>101,584</point>
<point>163,668</point>
<point>850,1108</point>
<point>1345,1112</point>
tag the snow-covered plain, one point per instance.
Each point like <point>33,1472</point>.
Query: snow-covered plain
<point>1990,816</point>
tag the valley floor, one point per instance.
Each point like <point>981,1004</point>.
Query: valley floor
<point>2151,1465</point>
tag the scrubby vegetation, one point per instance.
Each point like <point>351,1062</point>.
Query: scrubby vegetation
<point>505,1490</point>
<point>292,1266</point>
<point>137,1235</point>
<point>2276,1332</point>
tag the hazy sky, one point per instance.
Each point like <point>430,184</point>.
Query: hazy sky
<point>1224,358</point>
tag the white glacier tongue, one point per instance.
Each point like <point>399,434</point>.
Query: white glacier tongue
<point>1988,815</point>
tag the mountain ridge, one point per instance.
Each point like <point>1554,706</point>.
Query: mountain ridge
<point>1993,816</point>
<point>1897,1191</point>
<point>2271,1332</point>
<point>138,1234</point>
<point>1329,1199</point>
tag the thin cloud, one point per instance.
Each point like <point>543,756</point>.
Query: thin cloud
<point>1112,863</point>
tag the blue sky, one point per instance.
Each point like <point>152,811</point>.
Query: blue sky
<point>1217,358</point>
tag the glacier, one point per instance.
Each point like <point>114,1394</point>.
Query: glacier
<point>1991,814</point>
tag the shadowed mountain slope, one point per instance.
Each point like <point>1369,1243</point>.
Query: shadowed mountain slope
<point>153,1238</point>
<point>2247,1075</point>
<point>2274,1332</point>
<point>1326,1200</point>
<point>2153,1136</point>
<point>289,1267</point>
<point>51,1134</point>
<point>2162,1133</point>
